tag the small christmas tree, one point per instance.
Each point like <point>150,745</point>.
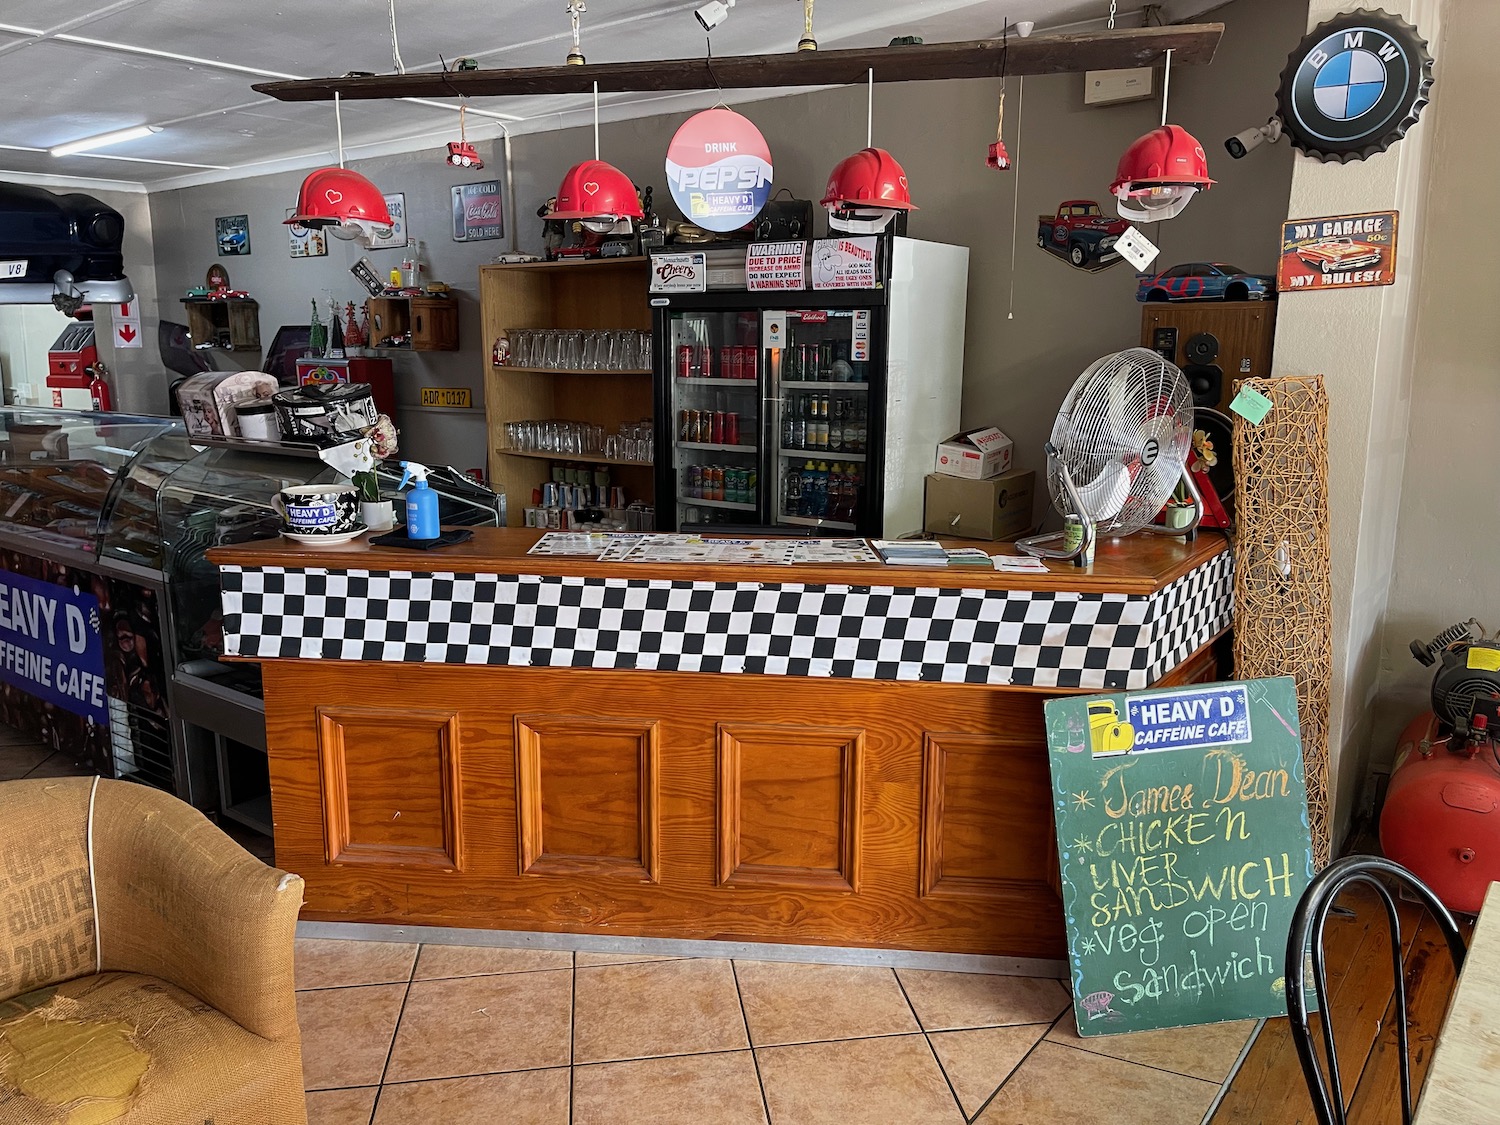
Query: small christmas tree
<point>317,336</point>
<point>353,337</point>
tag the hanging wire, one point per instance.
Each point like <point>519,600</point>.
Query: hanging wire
<point>709,62</point>
<point>1113,7</point>
<point>1166,86</point>
<point>395,44</point>
<point>338,119</point>
<point>870,112</point>
<point>1015,212</point>
<point>596,119</point>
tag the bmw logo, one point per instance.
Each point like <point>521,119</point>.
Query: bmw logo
<point>1354,86</point>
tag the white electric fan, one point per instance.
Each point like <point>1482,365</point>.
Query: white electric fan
<point>1119,448</point>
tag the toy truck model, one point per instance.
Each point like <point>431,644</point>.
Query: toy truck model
<point>1081,233</point>
<point>1338,254</point>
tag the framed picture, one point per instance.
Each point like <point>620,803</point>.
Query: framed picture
<point>395,237</point>
<point>477,213</point>
<point>305,242</point>
<point>233,235</point>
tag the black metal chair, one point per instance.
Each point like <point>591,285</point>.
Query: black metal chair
<point>1312,913</point>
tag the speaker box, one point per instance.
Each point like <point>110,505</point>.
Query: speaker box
<point>1216,343</point>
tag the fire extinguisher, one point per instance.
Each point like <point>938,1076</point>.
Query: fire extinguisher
<point>98,388</point>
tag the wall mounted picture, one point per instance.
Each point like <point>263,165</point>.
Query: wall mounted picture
<point>1081,234</point>
<point>1337,252</point>
<point>393,237</point>
<point>477,213</point>
<point>305,243</point>
<point>233,234</point>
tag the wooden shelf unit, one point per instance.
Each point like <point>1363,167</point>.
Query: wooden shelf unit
<point>601,293</point>
<point>232,324</point>
<point>432,321</point>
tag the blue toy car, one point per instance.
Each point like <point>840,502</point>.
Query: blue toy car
<point>1205,281</point>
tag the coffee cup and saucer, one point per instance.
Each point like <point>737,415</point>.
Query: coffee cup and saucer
<point>319,514</point>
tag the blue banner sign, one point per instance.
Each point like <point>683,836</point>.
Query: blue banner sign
<point>50,645</point>
<point>1200,717</point>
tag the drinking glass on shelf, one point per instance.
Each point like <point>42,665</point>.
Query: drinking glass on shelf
<point>551,348</point>
<point>596,439</point>
<point>612,447</point>
<point>642,351</point>
<point>590,352</point>
<point>520,347</point>
<point>572,351</point>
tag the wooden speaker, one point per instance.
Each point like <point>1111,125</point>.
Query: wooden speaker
<point>1215,343</point>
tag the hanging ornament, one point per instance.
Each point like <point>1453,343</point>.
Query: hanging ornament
<point>353,337</point>
<point>1354,86</point>
<point>998,157</point>
<point>461,153</point>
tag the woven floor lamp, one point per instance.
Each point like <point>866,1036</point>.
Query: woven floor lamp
<point>1283,594</point>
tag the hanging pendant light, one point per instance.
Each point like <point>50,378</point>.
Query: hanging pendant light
<point>340,202</point>
<point>597,193</point>
<point>1160,172</point>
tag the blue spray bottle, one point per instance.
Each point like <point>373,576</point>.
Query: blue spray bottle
<point>421,503</point>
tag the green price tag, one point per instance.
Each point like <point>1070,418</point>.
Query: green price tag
<point>1251,405</point>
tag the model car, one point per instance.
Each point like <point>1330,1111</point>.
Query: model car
<point>60,250</point>
<point>1081,233</point>
<point>1107,733</point>
<point>1338,254</point>
<point>1205,281</point>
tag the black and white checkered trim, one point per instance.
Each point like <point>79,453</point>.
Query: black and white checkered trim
<point>1068,640</point>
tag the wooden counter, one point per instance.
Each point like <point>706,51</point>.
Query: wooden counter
<point>849,756</point>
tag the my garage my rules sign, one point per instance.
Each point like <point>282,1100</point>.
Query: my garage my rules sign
<point>1183,846</point>
<point>50,645</point>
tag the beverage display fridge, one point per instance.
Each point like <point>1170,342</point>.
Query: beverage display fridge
<point>809,409</point>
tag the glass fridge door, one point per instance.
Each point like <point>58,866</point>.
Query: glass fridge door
<point>821,398</point>
<point>715,414</point>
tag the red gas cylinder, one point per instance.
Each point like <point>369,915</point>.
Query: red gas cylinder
<point>1441,818</point>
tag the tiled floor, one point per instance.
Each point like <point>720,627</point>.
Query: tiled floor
<point>444,1035</point>
<point>398,1033</point>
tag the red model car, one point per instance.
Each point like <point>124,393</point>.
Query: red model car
<point>1338,254</point>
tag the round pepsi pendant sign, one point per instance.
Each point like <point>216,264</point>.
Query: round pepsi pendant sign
<point>1354,86</point>
<point>719,170</point>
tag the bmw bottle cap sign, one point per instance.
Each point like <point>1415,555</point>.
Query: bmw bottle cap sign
<point>1354,85</point>
<point>719,170</point>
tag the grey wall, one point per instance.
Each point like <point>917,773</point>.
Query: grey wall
<point>1018,369</point>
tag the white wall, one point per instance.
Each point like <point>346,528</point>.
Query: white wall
<point>1363,343</point>
<point>1447,539</point>
<point>26,332</point>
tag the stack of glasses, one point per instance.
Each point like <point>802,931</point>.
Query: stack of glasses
<point>633,443</point>
<point>574,349</point>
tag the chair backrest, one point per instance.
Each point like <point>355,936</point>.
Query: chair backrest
<point>1305,945</point>
<point>46,900</point>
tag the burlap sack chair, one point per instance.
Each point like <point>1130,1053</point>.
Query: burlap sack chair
<point>145,964</point>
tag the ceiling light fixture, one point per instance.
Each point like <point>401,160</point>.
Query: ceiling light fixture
<point>119,136</point>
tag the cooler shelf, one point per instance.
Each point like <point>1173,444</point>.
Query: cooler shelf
<point>814,521</point>
<point>818,386</point>
<point>821,455</point>
<point>731,504</point>
<point>717,448</point>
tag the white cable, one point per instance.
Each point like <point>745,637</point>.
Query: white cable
<point>1166,85</point>
<point>1015,211</point>
<point>338,119</point>
<point>93,884</point>
<point>596,120</point>
<point>395,44</point>
<point>870,113</point>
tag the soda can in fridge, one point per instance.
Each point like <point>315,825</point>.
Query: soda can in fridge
<point>731,428</point>
<point>685,361</point>
<point>726,363</point>
<point>695,482</point>
<point>684,425</point>
<point>716,433</point>
<point>750,357</point>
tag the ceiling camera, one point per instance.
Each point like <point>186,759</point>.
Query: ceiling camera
<point>1241,143</point>
<point>712,14</point>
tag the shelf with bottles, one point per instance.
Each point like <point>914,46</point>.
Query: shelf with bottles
<point>576,495</point>
<point>566,371</point>
<point>728,484</point>
<point>716,383</point>
<point>824,489</point>
<point>716,429</point>
<point>804,385</point>
<point>824,423</point>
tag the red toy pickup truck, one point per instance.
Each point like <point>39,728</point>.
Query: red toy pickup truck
<point>1081,233</point>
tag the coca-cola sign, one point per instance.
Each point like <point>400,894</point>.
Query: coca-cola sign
<point>477,212</point>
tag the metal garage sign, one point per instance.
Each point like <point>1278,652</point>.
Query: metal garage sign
<point>1337,252</point>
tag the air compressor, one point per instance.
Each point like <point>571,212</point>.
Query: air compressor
<point>1441,818</point>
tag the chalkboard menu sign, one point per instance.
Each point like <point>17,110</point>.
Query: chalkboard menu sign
<point>1183,847</point>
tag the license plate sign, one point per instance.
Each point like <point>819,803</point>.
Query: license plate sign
<point>12,269</point>
<point>457,397</point>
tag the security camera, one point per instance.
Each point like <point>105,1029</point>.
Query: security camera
<point>1267,134</point>
<point>712,14</point>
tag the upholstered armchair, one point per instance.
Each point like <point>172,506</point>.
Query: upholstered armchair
<point>145,964</point>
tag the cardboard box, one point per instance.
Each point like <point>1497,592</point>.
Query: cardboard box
<point>997,508</point>
<point>975,455</point>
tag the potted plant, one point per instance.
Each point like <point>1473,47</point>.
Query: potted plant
<point>1179,510</point>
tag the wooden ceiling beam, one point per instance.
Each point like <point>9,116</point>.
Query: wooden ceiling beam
<point>1190,44</point>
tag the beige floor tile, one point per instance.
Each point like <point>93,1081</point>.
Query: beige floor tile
<point>17,760</point>
<point>686,1090</point>
<point>795,1003</point>
<point>346,1034</point>
<point>591,960</point>
<point>337,964</point>
<point>977,1061</point>
<point>891,1081</point>
<point>1206,1052</point>
<point>1063,1086</point>
<point>533,1097</point>
<point>439,961</point>
<point>656,1008</point>
<point>483,1025</point>
<point>945,1001</point>
<point>341,1107</point>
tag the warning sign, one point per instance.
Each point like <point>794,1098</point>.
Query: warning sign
<point>127,322</point>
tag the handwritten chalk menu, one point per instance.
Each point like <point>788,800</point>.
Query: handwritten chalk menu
<point>1183,847</point>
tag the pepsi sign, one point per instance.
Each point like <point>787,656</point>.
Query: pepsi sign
<point>719,170</point>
